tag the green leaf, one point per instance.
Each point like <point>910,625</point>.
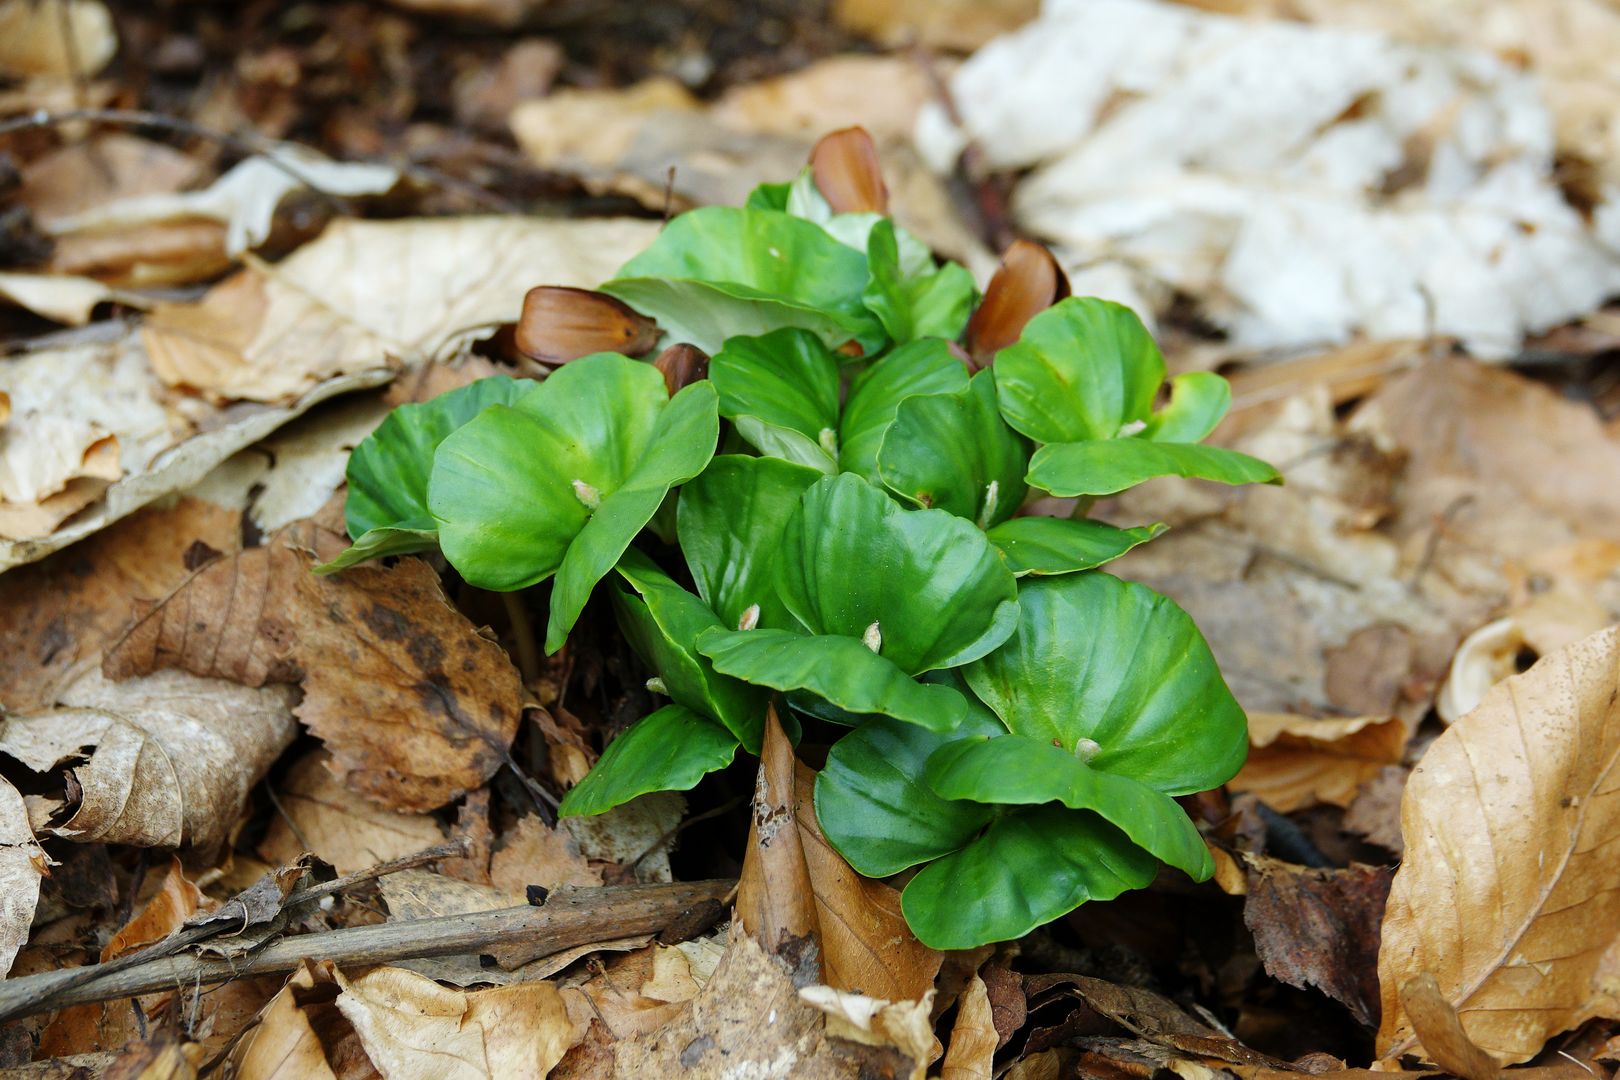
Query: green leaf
<point>874,807</point>
<point>768,197</point>
<point>1082,369</point>
<point>1018,770</point>
<point>1031,866</point>
<point>922,367</point>
<point>510,488</point>
<point>933,587</point>
<point>914,302</point>
<point>1106,466</point>
<point>663,621</point>
<point>682,444</point>
<point>1044,545</point>
<point>670,750</point>
<point>840,670</point>
<point>784,444</point>
<point>719,272</point>
<point>1198,401</point>
<point>729,521</point>
<point>1114,662</point>
<point>954,452</point>
<point>386,511</point>
<point>786,379</point>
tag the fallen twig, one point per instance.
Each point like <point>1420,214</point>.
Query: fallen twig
<point>569,918</point>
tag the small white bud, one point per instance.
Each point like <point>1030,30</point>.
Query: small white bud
<point>873,638</point>
<point>1086,749</point>
<point>1135,427</point>
<point>828,438</point>
<point>587,495</point>
<point>656,685</point>
<point>992,492</point>
<point>750,618</point>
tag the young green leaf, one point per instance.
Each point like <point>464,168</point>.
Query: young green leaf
<point>922,367</point>
<point>1198,401</point>
<point>841,670</point>
<point>1106,466</point>
<point>669,750</point>
<point>663,622</point>
<point>874,807</point>
<point>386,512</point>
<point>1018,770</point>
<point>720,272</point>
<point>1082,369</point>
<point>1113,662</point>
<point>925,584</point>
<point>786,380</point>
<point>1044,545</point>
<point>933,302</point>
<point>729,521</point>
<point>561,482</point>
<point>954,452</point>
<point>1032,865</point>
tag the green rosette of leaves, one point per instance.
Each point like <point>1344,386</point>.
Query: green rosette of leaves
<point>877,595</point>
<point>1103,705</point>
<point>558,483</point>
<point>1083,378</point>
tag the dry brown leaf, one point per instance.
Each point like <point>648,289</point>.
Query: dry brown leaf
<point>1300,761</point>
<point>962,25</point>
<point>1490,654</point>
<point>62,297</point>
<point>71,38</point>
<point>172,756</point>
<point>534,853</point>
<point>1319,928</point>
<point>972,1049</point>
<point>369,293</point>
<point>413,1028</point>
<point>1506,894</point>
<point>284,1044</point>
<point>22,865</point>
<point>1444,1039</point>
<point>82,175</point>
<point>775,896</point>
<point>902,1025</point>
<point>144,256</point>
<point>637,835</point>
<point>163,1058</point>
<point>1376,812</point>
<point>319,814</point>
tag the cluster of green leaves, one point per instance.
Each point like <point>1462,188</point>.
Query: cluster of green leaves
<point>1015,721</point>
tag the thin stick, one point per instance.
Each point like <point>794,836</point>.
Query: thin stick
<point>570,918</point>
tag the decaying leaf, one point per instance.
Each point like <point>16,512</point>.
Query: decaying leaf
<point>321,815</point>
<point>65,298</point>
<point>22,864</point>
<point>171,756</point>
<point>971,1052</point>
<point>794,885</point>
<point>1506,894</point>
<point>284,1044</point>
<point>963,25</point>
<point>55,37</point>
<point>1444,1039</point>
<point>1299,761</point>
<point>1319,928</point>
<point>903,1025</point>
<point>534,853</point>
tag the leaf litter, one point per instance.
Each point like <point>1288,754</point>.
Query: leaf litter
<point>1446,550</point>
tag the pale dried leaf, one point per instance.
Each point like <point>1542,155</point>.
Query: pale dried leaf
<point>1300,761</point>
<point>903,1025</point>
<point>1444,1039</point>
<point>1506,894</point>
<point>283,1045</point>
<point>534,853</point>
<point>22,865</point>
<point>339,825</point>
<point>412,1027</point>
<point>32,41</point>
<point>88,173</point>
<point>972,1049</point>
<point>638,835</point>
<point>962,25</point>
<point>64,298</point>
<point>422,894</point>
<point>172,756</point>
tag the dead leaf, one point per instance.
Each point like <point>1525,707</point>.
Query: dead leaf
<point>1490,654</point>
<point>62,297</point>
<point>62,612</point>
<point>22,865</point>
<point>367,293</point>
<point>534,853</point>
<point>144,256</point>
<point>1444,1039</point>
<point>172,756</point>
<point>1300,761</point>
<point>972,1049</point>
<point>412,1027</point>
<point>775,898</point>
<point>1506,892</point>
<point>1376,812</point>
<point>321,815</point>
<point>636,835</point>
<point>88,173</point>
<point>870,1021</point>
<point>962,25</point>
<point>284,1045</point>
<point>162,1059</point>
<point>1319,928</point>
<point>63,38</point>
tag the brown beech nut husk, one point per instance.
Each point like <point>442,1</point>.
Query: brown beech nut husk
<point>1028,281</point>
<point>560,324</point>
<point>845,167</point>
<point>682,365</point>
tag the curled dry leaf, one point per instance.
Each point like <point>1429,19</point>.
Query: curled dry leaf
<point>1319,928</point>
<point>1444,1039</point>
<point>22,865</point>
<point>875,1022</point>
<point>1028,281</point>
<point>318,813</point>
<point>971,1052</point>
<point>848,173</point>
<point>172,756</point>
<point>559,324</point>
<point>1300,761</point>
<point>284,1045</point>
<point>1506,894</point>
<point>794,884</point>
<point>62,297</point>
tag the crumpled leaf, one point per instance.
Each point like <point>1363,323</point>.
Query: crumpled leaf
<point>1300,761</point>
<point>370,292</point>
<point>22,865</point>
<point>173,756</point>
<point>1506,893</point>
<point>337,823</point>
<point>971,1051</point>
<point>63,297</point>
